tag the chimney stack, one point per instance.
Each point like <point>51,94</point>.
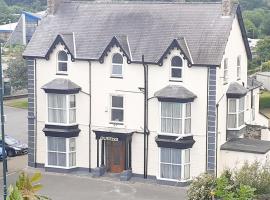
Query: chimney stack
<point>226,7</point>
<point>52,6</point>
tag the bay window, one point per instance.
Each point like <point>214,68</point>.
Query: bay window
<point>61,152</point>
<point>175,118</point>
<point>61,109</point>
<point>174,164</point>
<point>236,112</point>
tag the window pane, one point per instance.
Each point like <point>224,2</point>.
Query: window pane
<point>241,120</point>
<point>117,70</point>
<point>57,101</point>
<point>232,105</point>
<point>177,126</point>
<point>177,110</point>
<point>242,104</point>
<point>187,172</point>
<point>225,63</point>
<point>72,144</point>
<point>187,126</point>
<point>72,159</point>
<point>72,115</point>
<point>61,144</point>
<point>187,156</point>
<point>117,58</point>
<point>163,125</point>
<point>62,56</point>
<point>176,61</point>
<point>166,109</point>
<point>238,60</point>
<point>168,125</point>
<point>117,115</point>
<point>165,155</point>
<point>52,144</point>
<point>62,66</point>
<point>176,72</point>
<point>165,170</point>
<point>176,172</point>
<point>62,159</point>
<point>57,116</point>
<point>72,101</point>
<point>176,156</point>
<point>231,120</point>
<point>52,158</point>
<point>117,101</point>
<point>188,110</point>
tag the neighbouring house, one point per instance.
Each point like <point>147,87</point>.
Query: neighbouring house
<point>264,78</point>
<point>149,89</point>
<point>6,30</point>
<point>25,28</point>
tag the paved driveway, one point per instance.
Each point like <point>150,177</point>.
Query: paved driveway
<point>74,187</point>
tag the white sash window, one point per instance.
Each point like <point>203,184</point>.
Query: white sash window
<point>236,113</point>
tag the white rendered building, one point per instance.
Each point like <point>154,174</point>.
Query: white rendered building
<point>157,90</point>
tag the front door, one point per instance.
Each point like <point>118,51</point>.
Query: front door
<point>115,152</point>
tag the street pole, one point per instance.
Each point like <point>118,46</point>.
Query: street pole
<point>3,129</point>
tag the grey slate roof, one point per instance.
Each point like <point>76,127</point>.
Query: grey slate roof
<point>175,92</point>
<point>236,90</point>
<point>247,145</point>
<point>252,83</point>
<point>61,84</point>
<point>149,27</point>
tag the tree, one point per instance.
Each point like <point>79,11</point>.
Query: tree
<point>17,70</point>
<point>263,49</point>
<point>26,188</point>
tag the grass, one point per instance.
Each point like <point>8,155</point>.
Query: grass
<point>17,103</point>
<point>265,100</point>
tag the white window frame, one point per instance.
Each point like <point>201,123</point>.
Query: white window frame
<point>226,71</point>
<point>59,61</point>
<point>176,67</point>
<point>67,108</point>
<point>183,121</point>
<point>238,67</point>
<point>67,154</point>
<point>183,164</point>
<point>113,64</point>
<point>237,113</point>
<point>111,107</point>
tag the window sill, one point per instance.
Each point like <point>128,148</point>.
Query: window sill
<point>238,79</point>
<point>174,180</point>
<point>116,123</point>
<point>225,83</point>
<point>57,124</point>
<point>176,135</point>
<point>236,129</point>
<point>59,167</point>
<point>119,77</point>
<point>176,80</point>
<point>61,73</point>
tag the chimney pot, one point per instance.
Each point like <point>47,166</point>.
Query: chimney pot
<point>52,6</point>
<point>226,7</point>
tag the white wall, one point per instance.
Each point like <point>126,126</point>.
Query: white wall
<point>235,160</point>
<point>78,72</point>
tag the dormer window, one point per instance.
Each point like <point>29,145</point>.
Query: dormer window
<point>117,65</point>
<point>62,62</point>
<point>176,67</point>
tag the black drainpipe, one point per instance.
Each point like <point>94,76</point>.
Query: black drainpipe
<point>145,127</point>
<point>90,114</point>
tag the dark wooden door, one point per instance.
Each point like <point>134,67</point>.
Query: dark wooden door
<point>115,156</point>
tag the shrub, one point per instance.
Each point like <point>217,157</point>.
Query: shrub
<point>202,187</point>
<point>255,175</point>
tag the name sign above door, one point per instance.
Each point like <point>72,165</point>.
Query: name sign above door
<point>109,138</point>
